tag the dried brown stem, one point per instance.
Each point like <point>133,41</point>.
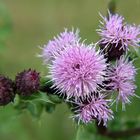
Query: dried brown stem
<point>117,134</point>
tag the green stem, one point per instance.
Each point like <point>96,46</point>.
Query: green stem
<point>112,6</point>
<point>102,130</point>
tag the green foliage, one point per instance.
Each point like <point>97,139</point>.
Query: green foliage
<point>35,108</point>
<point>36,103</point>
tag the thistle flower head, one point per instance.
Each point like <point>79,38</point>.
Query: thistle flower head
<point>115,33</point>
<point>111,29</point>
<point>27,82</point>
<point>113,22</point>
<point>132,34</point>
<point>122,77</point>
<point>58,44</point>
<point>78,70</point>
<point>6,90</point>
<point>96,108</point>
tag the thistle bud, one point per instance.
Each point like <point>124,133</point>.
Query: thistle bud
<point>27,82</point>
<point>111,52</point>
<point>6,90</point>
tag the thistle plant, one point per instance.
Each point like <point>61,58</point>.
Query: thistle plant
<point>89,78</point>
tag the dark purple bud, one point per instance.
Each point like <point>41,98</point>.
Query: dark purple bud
<point>112,52</point>
<point>6,90</point>
<point>27,82</point>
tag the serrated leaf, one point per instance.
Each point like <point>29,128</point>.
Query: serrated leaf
<point>35,109</point>
<point>39,97</point>
<point>43,97</point>
<point>55,99</point>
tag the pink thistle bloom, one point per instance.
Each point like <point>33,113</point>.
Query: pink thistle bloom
<point>115,32</point>
<point>58,44</point>
<point>132,33</point>
<point>95,109</point>
<point>78,70</point>
<point>122,77</point>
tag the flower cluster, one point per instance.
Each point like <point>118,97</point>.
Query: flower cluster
<point>85,76</point>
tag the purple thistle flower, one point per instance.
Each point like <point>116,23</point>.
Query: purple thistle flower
<point>132,33</point>
<point>115,33</point>
<point>122,77</point>
<point>78,70</point>
<point>58,44</point>
<point>95,109</point>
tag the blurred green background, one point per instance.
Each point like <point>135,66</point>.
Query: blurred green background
<point>27,24</point>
